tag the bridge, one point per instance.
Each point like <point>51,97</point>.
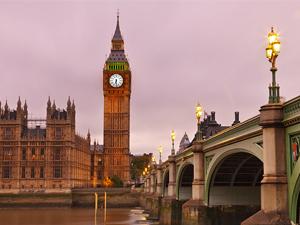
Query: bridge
<point>248,173</point>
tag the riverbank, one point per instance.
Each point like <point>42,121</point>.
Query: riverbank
<point>116,198</point>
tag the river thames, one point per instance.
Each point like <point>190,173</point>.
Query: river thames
<point>71,216</point>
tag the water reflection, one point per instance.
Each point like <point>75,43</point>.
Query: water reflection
<point>67,216</point>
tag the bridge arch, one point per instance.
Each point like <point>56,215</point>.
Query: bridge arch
<point>165,182</point>
<point>232,174</point>
<point>184,178</point>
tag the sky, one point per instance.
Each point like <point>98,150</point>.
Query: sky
<point>180,53</point>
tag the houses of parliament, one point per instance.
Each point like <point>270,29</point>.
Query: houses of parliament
<point>47,154</point>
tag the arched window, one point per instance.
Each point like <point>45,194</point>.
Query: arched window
<point>8,133</point>
<point>58,132</point>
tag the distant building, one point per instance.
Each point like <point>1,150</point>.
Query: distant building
<point>209,127</point>
<point>42,154</point>
<point>97,164</point>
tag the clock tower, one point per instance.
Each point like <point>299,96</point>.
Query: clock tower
<point>117,91</point>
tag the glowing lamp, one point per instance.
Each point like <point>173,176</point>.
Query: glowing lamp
<point>153,158</point>
<point>173,135</point>
<point>160,150</point>
<point>272,36</point>
<point>276,46</point>
<point>198,111</point>
<point>269,51</point>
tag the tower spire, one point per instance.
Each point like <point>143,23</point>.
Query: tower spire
<point>117,36</point>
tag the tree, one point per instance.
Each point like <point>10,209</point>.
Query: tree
<point>117,182</point>
<point>112,181</point>
<point>137,166</point>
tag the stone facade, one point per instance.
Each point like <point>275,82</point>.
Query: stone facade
<point>117,92</point>
<point>42,154</point>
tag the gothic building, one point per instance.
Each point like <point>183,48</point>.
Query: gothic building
<point>117,92</point>
<point>42,154</point>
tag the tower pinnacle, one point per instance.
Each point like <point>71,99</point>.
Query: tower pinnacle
<point>117,36</point>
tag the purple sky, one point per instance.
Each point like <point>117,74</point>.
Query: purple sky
<point>181,53</point>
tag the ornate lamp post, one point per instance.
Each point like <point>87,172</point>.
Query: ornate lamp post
<point>160,151</point>
<point>153,160</point>
<point>173,138</point>
<point>272,53</point>
<point>198,115</point>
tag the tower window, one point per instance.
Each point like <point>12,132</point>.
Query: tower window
<point>32,172</point>
<point>6,172</point>
<point>57,154</point>
<point>23,172</point>
<point>8,133</point>
<point>58,133</point>
<point>24,154</point>
<point>41,172</point>
<point>42,154</point>
<point>7,153</point>
<point>57,172</point>
<point>99,175</point>
<point>33,154</point>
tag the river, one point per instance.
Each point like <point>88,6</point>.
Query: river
<point>71,216</point>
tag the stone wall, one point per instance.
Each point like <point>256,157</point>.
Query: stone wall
<point>116,198</point>
<point>31,199</point>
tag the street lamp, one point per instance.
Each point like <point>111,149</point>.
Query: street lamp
<point>198,115</point>
<point>173,138</point>
<point>160,151</point>
<point>153,162</point>
<point>272,53</point>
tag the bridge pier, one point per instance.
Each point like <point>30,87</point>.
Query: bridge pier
<point>274,196</point>
<point>147,202</point>
<point>154,213</point>
<point>195,211</point>
<point>152,182</point>
<point>170,207</point>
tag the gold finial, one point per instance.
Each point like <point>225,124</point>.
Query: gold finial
<point>118,14</point>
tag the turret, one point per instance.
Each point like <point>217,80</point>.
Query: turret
<point>69,103</point>
<point>53,106</point>
<point>19,104</point>
<point>89,136</point>
<point>49,109</point>
<point>25,110</point>
<point>6,106</point>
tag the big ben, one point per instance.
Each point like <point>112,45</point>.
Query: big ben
<point>117,92</point>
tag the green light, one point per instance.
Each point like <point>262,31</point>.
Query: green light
<point>121,66</point>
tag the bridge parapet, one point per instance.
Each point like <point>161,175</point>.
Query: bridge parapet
<point>233,133</point>
<point>291,111</point>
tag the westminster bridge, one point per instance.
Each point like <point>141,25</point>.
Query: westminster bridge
<point>250,169</point>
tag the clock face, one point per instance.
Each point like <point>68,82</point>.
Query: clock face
<point>116,80</point>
